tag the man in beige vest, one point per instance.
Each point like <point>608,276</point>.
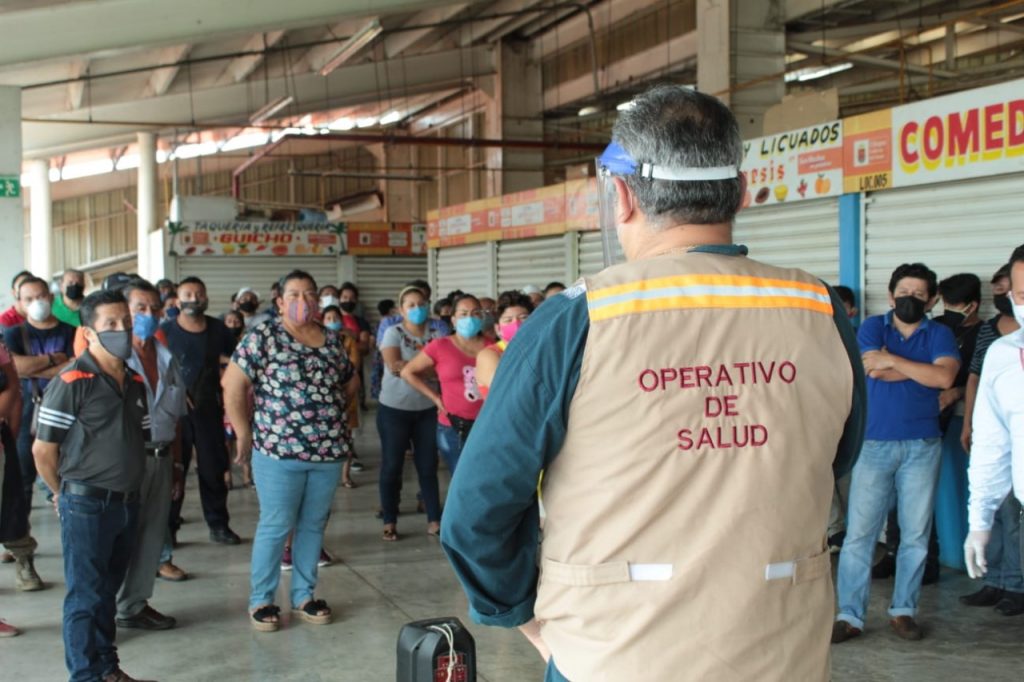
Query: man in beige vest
<point>690,409</point>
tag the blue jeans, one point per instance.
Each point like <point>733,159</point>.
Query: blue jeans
<point>397,428</point>
<point>1004,547</point>
<point>908,469</point>
<point>98,538</point>
<point>449,444</point>
<point>292,494</point>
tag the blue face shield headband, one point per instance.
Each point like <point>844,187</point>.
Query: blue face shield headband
<point>616,161</point>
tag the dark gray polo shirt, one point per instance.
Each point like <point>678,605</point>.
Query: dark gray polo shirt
<point>102,432</point>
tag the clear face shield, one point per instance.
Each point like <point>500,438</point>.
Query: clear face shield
<point>614,162</point>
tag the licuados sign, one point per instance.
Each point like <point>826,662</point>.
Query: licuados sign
<point>795,165</point>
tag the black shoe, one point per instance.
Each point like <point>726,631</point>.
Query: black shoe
<point>886,568</point>
<point>986,596</point>
<point>147,619</point>
<point>224,536</point>
<point>1012,604</point>
<point>835,542</point>
<point>931,575</point>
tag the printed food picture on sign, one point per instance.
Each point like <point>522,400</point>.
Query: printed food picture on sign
<point>793,166</point>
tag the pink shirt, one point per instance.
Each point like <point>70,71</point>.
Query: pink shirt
<point>457,373</point>
<point>11,318</point>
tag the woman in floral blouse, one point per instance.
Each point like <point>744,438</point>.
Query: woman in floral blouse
<point>298,439</point>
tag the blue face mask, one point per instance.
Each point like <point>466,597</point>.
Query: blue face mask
<point>144,326</point>
<point>171,312</point>
<point>333,326</point>
<point>468,327</point>
<point>417,315</point>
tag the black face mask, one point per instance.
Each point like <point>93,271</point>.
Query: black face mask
<point>909,309</point>
<point>447,319</point>
<point>1003,304</point>
<point>248,306</point>
<point>952,319</point>
<point>236,331</point>
<point>193,307</point>
<point>74,292</point>
<point>348,306</point>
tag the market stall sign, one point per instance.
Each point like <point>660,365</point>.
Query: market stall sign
<point>201,238</point>
<point>794,166</point>
<point>387,239</point>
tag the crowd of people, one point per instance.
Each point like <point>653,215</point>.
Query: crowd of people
<point>108,400</point>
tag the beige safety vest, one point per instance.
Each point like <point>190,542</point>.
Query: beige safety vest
<point>687,510</point>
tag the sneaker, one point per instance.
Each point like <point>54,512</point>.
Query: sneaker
<point>286,559</point>
<point>26,578</point>
<point>835,542</point>
<point>1011,605</point>
<point>224,536</point>
<point>8,630</point>
<point>325,559</point>
<point>357,466</point>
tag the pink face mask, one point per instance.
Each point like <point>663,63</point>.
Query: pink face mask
<point>299,311</point>
<point>509,330</point>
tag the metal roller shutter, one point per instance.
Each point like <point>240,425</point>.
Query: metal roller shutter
<point>382,277</point>
<point>955,227</point>
<point>591,253</point>
<point>801,235</point>
<point>225,275</point>
<point>468,268</point>
<point>532,261</point>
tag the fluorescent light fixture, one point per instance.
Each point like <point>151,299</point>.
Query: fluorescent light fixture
<point>366,122</point>
<point>390,117</point>
<point>245,141</point>
<point>343,123</point>
<point>324,131</point>
<point>811,73</point>
<point>270,108</point>
<point>350,47</point>
<point>625,106</point>
<point>191,151</point>
<point>162,155</point>
<point>86,168</point>
<point>588,111</point>
<point>127,162</point>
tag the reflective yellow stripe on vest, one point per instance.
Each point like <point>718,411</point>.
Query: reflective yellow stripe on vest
<point>706,291</point>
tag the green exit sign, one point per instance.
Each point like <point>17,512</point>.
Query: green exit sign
<point>10,186</point>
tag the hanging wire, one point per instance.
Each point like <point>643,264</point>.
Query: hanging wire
<point>191,97</point>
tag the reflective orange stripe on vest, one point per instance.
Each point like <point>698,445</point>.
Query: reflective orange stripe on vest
<point>74,375</point>
<point>706,291</point>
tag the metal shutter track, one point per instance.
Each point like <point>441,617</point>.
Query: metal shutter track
<point>225,275</point>
<point>969,226</point>
<point>801,235</point>
<point>464,267</point>
<point>383,277</point>
<point>531,261</point>
<point>591,253</point>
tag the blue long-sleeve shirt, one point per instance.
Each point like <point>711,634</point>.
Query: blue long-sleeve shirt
<point>490,528</point>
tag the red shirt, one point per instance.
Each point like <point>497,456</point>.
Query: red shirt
<point>11,318</point>
<point>457,373</point>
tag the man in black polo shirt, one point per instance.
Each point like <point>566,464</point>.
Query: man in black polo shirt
<point>90,449</point>
<point>200,344</point>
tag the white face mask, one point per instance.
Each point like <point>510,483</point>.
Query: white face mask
<point>328,301</point>
<point>1018,312</point>
<point>39,310</point>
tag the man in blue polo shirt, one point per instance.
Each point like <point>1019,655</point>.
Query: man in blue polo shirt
<point>908,360</point>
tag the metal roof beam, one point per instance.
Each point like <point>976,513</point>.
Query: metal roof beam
<point>161,79</point>
<point>240,68</point>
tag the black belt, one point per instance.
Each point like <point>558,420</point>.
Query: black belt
<point>158,450</point>
<point>86,490</point>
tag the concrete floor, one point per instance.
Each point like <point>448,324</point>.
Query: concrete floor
<point>376,587</point>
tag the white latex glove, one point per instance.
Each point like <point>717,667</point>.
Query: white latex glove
<point>974,553</point>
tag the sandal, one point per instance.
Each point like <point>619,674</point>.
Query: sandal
<point>390,535</point>
<point>435,532</point>
<point>261,618</point>
<point>315,611</point>
<point>349,484</point>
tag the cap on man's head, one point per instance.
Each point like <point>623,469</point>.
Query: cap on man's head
<point>247,290</point>
<point>116,281</point>
<point>530,289</point>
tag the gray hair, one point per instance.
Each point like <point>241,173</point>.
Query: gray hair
<point>674,126</point>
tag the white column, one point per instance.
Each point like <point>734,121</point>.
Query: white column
<point>41,218</point>
<point>146,204</point>
<point>12,216</point>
